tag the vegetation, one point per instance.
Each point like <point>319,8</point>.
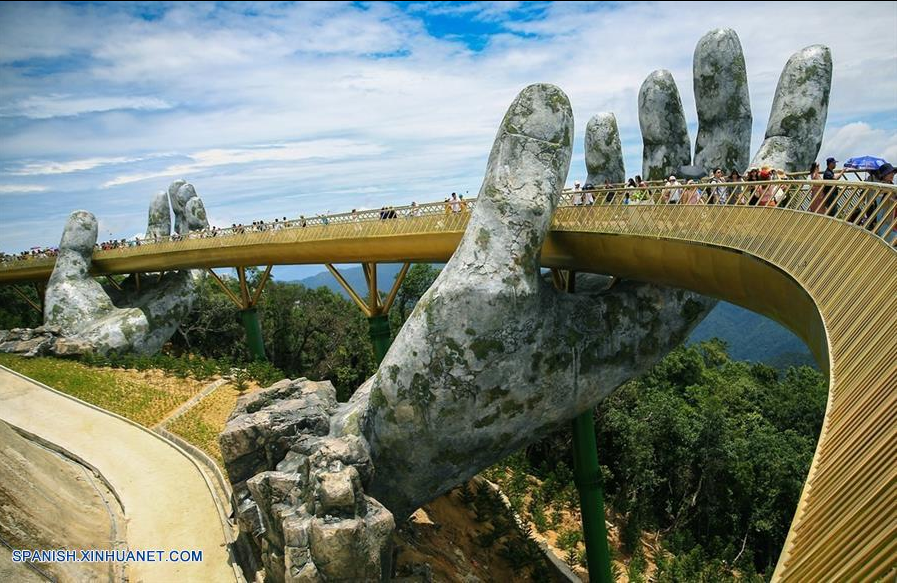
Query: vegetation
<point>201,424</point>
<point>417,281</point>
<point>708,452</point>
<point>307,332</point>
<point>197,367</point>
<point>16,312</point>
<point>138,401</point>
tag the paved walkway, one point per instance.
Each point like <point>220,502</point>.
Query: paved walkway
<point>167,502</point>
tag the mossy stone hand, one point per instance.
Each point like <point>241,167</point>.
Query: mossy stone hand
<point>130,320</point>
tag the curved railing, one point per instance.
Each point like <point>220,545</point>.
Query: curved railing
<point>822,262</point>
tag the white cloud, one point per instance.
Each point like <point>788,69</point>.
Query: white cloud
<point>21,188</point>
<point>47,106</point>
<point>860,139</point>
<point>289,152</point>
<point>49,167</point>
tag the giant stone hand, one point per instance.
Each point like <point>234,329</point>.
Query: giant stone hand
<point>136,318</point>
<point>793,134</point>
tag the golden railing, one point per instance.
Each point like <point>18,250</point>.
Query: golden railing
<point>822,261</point>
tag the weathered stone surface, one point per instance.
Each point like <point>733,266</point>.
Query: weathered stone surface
<point>603,152</point>
<point>336,492</point>
<point>71,347</point>
<point>177,205</point>
<point>40,341</point>
<point>158,223</point>
<point>184,194</point>
<point>195,215</point>
<point>129,321</point>
<point>258,441</point>
<point>799,110</point>
<point>664,131</point>
<point>723,103</point>
<point>288,472</point>
<point>333,548</point>
<point>493,358</point>
<point>37,346</point>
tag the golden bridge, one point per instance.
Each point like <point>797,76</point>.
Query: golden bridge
<point>823,263</point>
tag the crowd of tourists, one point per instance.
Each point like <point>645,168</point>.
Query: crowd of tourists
<point>761,186</point>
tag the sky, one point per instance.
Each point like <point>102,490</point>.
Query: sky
<point>281,109</point>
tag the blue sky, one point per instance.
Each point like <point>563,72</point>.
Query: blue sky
<point>280,109</point>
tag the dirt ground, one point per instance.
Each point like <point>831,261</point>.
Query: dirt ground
<point>48,501</point>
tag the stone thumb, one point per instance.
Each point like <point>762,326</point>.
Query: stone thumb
<point>524,176</point>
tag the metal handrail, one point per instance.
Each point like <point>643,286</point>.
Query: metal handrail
<point>869,205</point>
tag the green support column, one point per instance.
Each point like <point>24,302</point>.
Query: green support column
<point>253,327</point>
<point>587,476</point>
<point>381,338</point>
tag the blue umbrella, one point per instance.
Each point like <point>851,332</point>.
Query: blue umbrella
<point>867,163</point>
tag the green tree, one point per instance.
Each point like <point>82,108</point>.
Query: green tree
<point>15,312</point>
<point>417,281</point>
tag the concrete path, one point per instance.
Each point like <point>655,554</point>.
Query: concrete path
<point>167,502</point>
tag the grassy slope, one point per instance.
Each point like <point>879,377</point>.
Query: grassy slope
<point>114,391</point>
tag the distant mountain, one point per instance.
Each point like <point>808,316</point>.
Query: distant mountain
<point>386,275</point>
<point>749,336</point>
<point>752,337</point>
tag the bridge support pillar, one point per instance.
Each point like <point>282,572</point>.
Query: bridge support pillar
<point>381,337</point>
<point>253,328</point>
<point>246,302</point>
<point>375,308</point>
<point>587,475</point>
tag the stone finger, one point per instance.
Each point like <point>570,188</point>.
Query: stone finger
<point>799,110</point>
<point>195,214</point>
<point>73,297</point>
<point>723,103</point>
<point>158,224</point>
<point>603,151</point>
<point>664,132</point>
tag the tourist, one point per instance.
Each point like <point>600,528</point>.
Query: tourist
<point>817,192</point>
<point>673,195</point>
<point>832,192</point>
<point>577,194</point>
<point>692,194</point>
<point>455,203</point>
<point>717,193</point>
<point>588,197</point>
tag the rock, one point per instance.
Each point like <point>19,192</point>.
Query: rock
<point>603,152</point>
<point>799,111</point>
<point>37,346</point>
<point>333,546</point>
<point>158,224</point>
<point>307,574</point>
<point>258,441</point>
<point>723,103</point>
<point>664,131</point>
<point>68,347</point>
<point>336,492</point>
